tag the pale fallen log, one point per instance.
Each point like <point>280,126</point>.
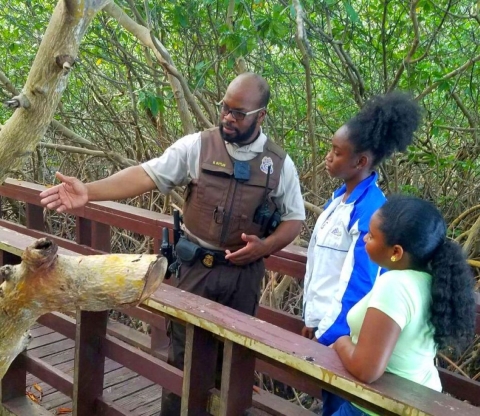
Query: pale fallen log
<point>46,281</point>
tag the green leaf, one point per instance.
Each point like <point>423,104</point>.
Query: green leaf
<point>150,101</point>
<point>352,14</point>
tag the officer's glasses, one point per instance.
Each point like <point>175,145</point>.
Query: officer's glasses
<point>236,114</point>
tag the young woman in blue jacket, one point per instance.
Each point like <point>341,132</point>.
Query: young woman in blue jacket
<point>339,272</point>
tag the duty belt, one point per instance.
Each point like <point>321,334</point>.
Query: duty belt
<point>188,252</point>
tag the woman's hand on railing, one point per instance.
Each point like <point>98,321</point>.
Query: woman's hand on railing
<point>70,194</point>
<point>308,332</point>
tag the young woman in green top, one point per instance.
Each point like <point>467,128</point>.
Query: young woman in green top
<point>423,302</point>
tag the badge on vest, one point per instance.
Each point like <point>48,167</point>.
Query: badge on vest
<point>266,163</point>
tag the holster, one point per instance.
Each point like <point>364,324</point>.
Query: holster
<point>187,251</point>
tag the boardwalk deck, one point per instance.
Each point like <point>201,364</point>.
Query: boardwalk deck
<point>121,385</point>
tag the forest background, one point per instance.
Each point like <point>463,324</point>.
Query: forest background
<point>149,72</point>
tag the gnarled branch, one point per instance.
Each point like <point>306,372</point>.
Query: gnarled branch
<point>46,281</point>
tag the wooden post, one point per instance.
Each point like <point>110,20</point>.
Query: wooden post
<point>159,339</point>
<point>34,217</point>
<point>199,371</point>
<point>8,258</point>
<point>101,236</point>
<point>91,326</point>
<point>83,231</point>
<point>14,381</point>
<point>237,379</point>
<point>89,361</point>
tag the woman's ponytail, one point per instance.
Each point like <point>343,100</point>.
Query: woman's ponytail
<point>453,301</point>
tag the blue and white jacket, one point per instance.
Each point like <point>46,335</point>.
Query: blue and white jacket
<point>339,272</point>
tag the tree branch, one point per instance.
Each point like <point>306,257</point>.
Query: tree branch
<point>451,74</point>
<point>46,81</point>
<point>180,87</point>
<point>413,48</point>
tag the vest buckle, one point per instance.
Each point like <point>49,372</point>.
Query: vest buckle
<point>218,214</point>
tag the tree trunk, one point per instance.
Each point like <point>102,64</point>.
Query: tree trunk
<point>36,104</point>
<point>46,281</point>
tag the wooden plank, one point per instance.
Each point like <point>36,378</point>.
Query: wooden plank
<point>293,252</point>
<point>107,407</point>
<point>22,406</point>
<point>40,330</point>
<point>285,266</point>
<point>45,340</point>
<point>237,379</point>
<point>264,404</point>
<point>15,243</point>
<point>277,406</point>
<point>55,353</point>
<point>61,357</point>
<point>282,319</point>
<point>56,400</point>
<point>290,378</point>
<point>129,335</point>
<point>460,387</point>
<point>146,397</point>
<point>65,368</point>
<point>61,242</point>
<point>199,371</point>
<point>137,225</point>
<point>119,376</point>
<point>149,408</point>
<point>392,393</point>
<point>145,316</point>
<point>128,387</point>
<point>59,322</point>
<point>144,364</point>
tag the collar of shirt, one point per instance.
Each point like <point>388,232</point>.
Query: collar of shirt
<point>359,189</point>
<point>249,151</point>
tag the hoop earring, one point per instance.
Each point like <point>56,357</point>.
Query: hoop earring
<point>393,259</point>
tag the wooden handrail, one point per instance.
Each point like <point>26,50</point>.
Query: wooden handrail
<point>319,364</point>
<point>289,261</point>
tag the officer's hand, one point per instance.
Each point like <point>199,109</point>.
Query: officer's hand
<point>70,194</point>
<point>308,332</point>
<point>255,249</point>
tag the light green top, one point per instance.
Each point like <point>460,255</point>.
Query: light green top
<point>405,296</point>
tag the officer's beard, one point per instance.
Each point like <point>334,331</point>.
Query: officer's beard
<point>241,139</point>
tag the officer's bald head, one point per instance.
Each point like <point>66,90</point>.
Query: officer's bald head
<point>255,82</point>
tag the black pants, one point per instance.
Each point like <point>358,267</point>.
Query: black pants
<point>233,286</point>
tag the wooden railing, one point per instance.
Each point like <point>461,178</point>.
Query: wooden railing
<point>250,343</point>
